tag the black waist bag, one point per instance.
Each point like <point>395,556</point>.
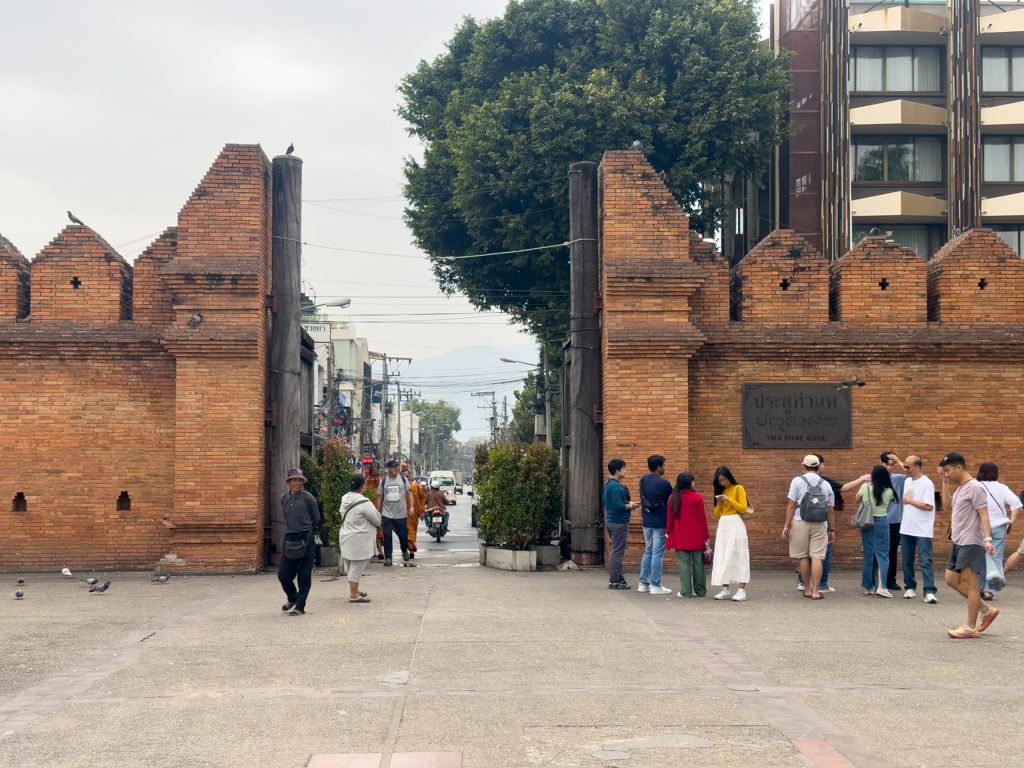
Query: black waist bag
<point>295,550</point>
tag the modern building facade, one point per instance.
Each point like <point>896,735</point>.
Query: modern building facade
<point>908,116</point>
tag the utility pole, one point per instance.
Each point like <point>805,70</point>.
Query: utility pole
<point>583,394</point>
<point>504,418</point>
<point>494,413</point>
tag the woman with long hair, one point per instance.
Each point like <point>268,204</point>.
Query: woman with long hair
<point>686,531</point>
<point>732,553</point>
<point>875,540</point>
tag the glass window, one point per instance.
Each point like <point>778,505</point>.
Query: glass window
<point>1018,159</point>
<point>899,69</point>
<point>869,162</point>
<point>995,69</point>
<point>1017,70</point>
<point>996,158</point>
<point>1012,235</point>
<point>928,158</point>
<point>927,69</point>
<point>899,160</point>
<point>869,68</point>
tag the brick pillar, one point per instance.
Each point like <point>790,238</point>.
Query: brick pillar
<point>647,337</point>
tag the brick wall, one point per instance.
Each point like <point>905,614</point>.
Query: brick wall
<point>14,282</point>
<point>673,374</point>
<point>112,391</point>
<point>975,278</point>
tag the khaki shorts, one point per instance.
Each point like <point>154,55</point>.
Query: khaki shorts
<point>808,540</point>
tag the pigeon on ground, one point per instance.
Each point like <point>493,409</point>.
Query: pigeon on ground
<point>160,580</point>
<point>195,320</point>
<point>291,148</point>
<point>19,594</point>
<point>65,571</point>
<point>101,588</point>
<point>638,144</point>
<point>21,579</point>
<point>74,219</point>
<point>91,582</point>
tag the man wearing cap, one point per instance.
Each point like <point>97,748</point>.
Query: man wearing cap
<point>301,516</point>
<point>808,541</point>
<point>394,500</point>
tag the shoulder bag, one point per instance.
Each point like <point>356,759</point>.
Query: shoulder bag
<point>865,516</point>
<point>749,514</point>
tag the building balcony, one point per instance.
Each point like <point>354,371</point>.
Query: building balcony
<point>897,26</point>
<point>905,206</point>
<point>1005,118</point>
<point>1002,28</point>
<point>1004,207</point>
<point>898,116</point>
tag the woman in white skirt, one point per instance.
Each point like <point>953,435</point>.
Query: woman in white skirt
<point>732,557</point>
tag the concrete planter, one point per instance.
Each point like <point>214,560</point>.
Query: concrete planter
<point>509,559</point>
<point>547,554</point>
<point>328,557</point>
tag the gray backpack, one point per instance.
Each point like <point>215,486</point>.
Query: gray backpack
<point>814,504</point>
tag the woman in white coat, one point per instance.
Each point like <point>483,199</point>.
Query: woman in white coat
<point>359,522</point>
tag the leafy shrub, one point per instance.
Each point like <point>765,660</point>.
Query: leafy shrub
<point>520,492</point>
<point>327,478</point>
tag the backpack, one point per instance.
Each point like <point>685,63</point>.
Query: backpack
<point>814,503</point>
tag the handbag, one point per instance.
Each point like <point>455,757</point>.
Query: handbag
<point>709,554</point>
<point>295,550</point>
<point>749,514</point>
<point>864,518</point>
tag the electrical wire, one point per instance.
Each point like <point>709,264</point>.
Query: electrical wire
<point>438,218</point>
<point>441,258</point>
<point>435,197</point>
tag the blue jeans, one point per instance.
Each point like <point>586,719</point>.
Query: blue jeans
<point>875,541</point>
<point>654,553</point>
<point>994,563</point>
<point>923,546</point>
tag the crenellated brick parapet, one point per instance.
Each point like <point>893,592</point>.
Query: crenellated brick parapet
<point>131,436</point>
<point>940,345</point>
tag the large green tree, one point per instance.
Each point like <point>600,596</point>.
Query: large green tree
<point>439,421</point>
<point>514,100</point>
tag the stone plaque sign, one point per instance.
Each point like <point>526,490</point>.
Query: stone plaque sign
<point>805,416</point>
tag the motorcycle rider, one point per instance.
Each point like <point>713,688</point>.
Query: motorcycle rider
<point>435,498</point>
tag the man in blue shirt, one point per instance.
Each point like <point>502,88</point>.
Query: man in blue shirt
<point>654,493</point>
<point>617,508</point>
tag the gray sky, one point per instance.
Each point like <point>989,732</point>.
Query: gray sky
<point>115,110</point>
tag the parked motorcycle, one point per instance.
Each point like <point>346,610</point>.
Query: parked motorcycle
<point>438,520</point>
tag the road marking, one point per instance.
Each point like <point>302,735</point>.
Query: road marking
<point>785,712</point>
<point>18,711</point>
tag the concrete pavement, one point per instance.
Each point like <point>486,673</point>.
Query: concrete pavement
<point>501,669</point>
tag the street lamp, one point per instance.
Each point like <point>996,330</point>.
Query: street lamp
<point>542,410</point>
<point>339,303</point>
<point>518,362</point>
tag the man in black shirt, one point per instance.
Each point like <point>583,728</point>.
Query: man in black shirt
<point>301,516</point>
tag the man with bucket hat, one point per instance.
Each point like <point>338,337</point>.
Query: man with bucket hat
<point>301,516</point>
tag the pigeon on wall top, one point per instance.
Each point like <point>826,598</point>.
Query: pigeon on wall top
<point>638,144</point>
<point>195,320</point>
<point>74,219</point>
<point>291,148</point>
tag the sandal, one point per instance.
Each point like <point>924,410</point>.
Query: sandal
<point>362,599</point>
<point>819,597</point>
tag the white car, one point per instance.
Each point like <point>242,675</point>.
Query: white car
<point>446,481</point>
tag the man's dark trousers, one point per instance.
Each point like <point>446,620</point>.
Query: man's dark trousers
<point>617,532</point>
<point>287,570</point>
<point>399,526</point>
<point>894,543</point>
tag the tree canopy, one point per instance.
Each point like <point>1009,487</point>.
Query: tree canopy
<point>514,100</point>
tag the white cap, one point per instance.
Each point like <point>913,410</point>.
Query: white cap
<point>810,460</point>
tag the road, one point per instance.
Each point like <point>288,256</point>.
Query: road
<point>461,538</point>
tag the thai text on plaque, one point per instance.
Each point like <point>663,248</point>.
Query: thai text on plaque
<point>804,416</point>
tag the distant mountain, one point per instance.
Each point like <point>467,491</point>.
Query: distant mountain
<point>456,375</point>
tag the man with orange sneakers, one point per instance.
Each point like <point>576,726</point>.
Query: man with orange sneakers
<point>971,537</point>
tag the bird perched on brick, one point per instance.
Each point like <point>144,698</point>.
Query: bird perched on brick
<point>91,582</point>
<point>74,219</point>
<point>100,588</point>
<point>291,148</point>
<point>195,320</point>
<point>875,231</point>
<point>19,594</point>
<point>21,579</point>
<point>160,580</point>
<point>637,144</point>
<point>65,571</point>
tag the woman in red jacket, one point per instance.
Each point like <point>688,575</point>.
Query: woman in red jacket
<point>686,531</point>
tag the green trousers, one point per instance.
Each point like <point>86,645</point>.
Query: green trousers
<point>692,580</point>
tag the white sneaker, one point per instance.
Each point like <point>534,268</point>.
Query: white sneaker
<point>883,592</point>
<point>931,598</point>
<point>723,595</point>
<point>643,588</point>
<point>740,596</point>
<point>660,591</point>
<point>910,594</point>
<point>799,583</point>
<point>830,589</point>
<point>869,591</point>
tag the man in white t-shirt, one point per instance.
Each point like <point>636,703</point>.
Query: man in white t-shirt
<point>917,529</point>
<point>808,541</point>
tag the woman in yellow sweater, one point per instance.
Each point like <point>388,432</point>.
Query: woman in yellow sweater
<point>732,555</point>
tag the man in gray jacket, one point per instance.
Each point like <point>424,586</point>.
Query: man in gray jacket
<point>302,516</point>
